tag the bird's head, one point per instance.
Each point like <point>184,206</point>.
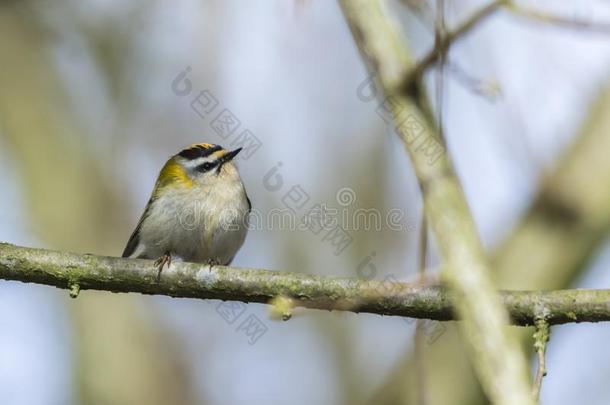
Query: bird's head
<point>204,164</point>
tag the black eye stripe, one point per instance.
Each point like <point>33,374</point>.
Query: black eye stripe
<point>207,166</point>
<point>199,151</point>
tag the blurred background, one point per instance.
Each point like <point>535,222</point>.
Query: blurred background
<point>95,95</point>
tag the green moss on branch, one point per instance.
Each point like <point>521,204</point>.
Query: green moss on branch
<point>75,272</point>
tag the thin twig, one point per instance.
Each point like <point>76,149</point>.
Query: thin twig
<point>489,89</point>
<point>441,48</point>
<point>557,20</point>
<point>541,337</point>
<point>422,389</point>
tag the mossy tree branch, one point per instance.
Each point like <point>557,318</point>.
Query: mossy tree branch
<point>76,272</point>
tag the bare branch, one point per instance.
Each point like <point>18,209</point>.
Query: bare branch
<point>560,21</point>
<point>442,45</point>
<point>495,354</point>
<point>76,272</point>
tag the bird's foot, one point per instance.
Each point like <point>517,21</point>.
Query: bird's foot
<point>161,262</point>
<point>212,262</point>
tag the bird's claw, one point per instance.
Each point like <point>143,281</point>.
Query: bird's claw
<point>212,263</point>
<point>161,262</point>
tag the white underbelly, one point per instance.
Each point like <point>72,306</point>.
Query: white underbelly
<point>196,228</point>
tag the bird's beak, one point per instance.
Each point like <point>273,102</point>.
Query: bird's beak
<point>229,156</point>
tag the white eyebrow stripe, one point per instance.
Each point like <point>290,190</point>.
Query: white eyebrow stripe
<point>192,164</point>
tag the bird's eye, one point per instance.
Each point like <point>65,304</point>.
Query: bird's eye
<point>207,166</point>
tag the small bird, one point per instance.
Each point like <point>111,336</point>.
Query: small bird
<point>198,211</point>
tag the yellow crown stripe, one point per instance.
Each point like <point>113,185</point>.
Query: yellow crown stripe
<point>202,145</point>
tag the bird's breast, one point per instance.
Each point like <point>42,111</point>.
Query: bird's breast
<point>201,223</point>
